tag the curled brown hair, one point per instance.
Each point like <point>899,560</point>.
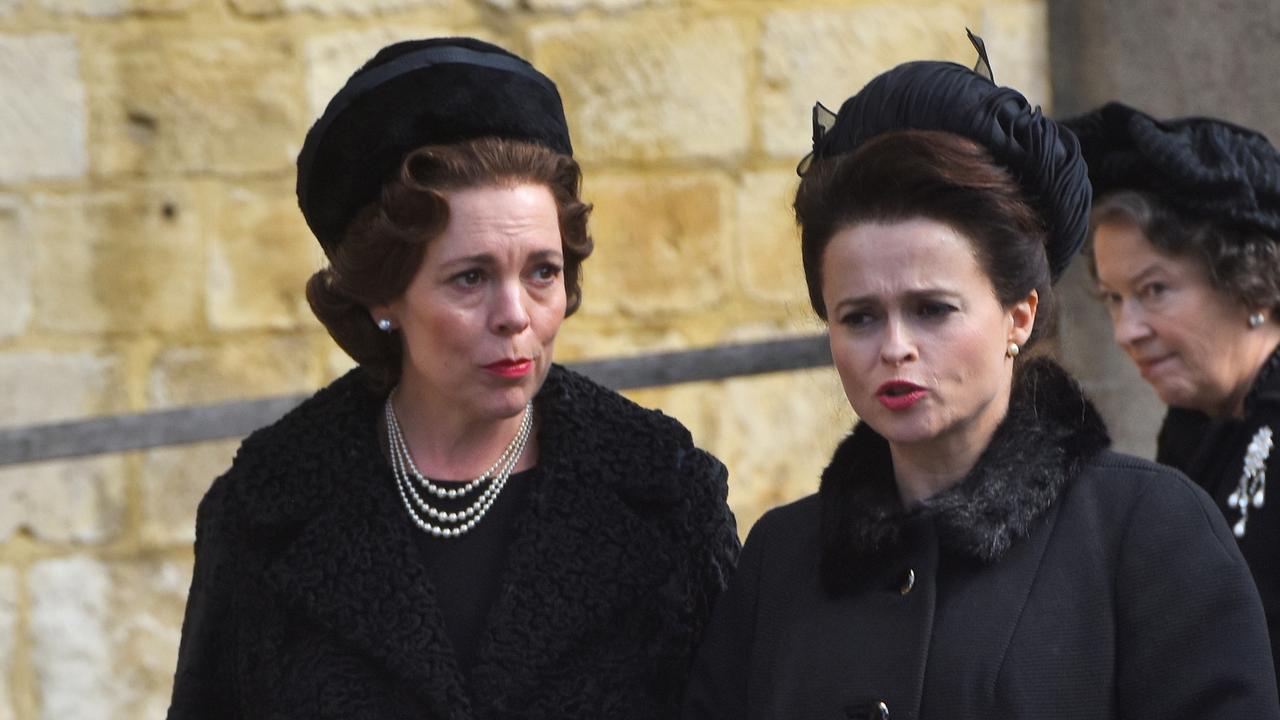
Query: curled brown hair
<point>383,245</point>
<point>1240,262</point>
<point>936,175</point>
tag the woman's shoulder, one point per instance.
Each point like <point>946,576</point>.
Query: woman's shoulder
<point>596,407</point>
<point>283,469</point>
<point>1145,497</point>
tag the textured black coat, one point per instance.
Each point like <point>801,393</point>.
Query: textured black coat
<point>1056,580</point>
<point>311,600</point>
<point>1212,454</point>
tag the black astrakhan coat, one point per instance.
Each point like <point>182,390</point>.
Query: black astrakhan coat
<point>311,600</point>
<point>1212,454</point>
<point>1056,580</point>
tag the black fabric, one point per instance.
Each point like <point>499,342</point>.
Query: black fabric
<point>1043,157</point>
<point>1059,580</point>
<point>1212,454</point>
<point>311,600</point>
<point>467,570</point>
<point>415,93</point>
<point>1208,168</point>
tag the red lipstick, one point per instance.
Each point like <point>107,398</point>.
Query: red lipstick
<point>517,368</point>
<point>899,394</point>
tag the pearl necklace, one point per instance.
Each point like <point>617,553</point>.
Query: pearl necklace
<point>435,521</point>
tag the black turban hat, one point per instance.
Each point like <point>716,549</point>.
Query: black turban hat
<point>1206,168</point>
<point>1042,157</point>
<point>415,93</point>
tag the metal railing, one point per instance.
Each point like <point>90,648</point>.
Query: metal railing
<point>219,421</point>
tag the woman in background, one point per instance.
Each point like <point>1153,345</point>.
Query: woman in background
<point>1185,248</point>
<point>458,528</point>
<point>974,550</point>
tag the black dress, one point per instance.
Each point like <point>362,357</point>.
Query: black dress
<point>1056,580</point>
<point>1212,453</point>
<point>312,598</point>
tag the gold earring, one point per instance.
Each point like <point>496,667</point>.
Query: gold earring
<point>1012,351</point>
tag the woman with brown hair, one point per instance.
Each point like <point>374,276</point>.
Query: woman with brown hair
<point>458,528</point>
<point>974,550</point>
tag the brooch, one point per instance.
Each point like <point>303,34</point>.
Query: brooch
<point>1252,490</point>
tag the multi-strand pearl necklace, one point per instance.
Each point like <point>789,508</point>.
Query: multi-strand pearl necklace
<point>431,519</point>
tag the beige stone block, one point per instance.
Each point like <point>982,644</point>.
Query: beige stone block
<point>1017,39</point>
<point>574,5</point>
<point>360,7</point>
<point>164,104</point>
<point>332,59</point>
<point>650,87</point>
<point>173,482</point>
<point>661,243</point>
<point>328,8</point>
<point>768,251</point>
<point>113,8</point>
<point>7,7</point>
<point>77,500</point>
<point>828,54</point>
<point>43,123</point>
<point>8,635</point>
<point>80,501</point>
<point>42,387</point>
<point>127,260</point>
<point>90,8</point>
<point>774,432</point>
<point>260,257</point>
<point>15,269</point>
<point>235,370</point>
<point>105,635</point>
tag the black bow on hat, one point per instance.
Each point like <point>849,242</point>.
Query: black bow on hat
<point>1043,157</point>
<point>415,93</point>
<point>1206,167</point>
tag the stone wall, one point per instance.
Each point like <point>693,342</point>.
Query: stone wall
<point>151,253</point>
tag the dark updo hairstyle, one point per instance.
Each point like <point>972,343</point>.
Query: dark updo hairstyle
<point>941,176</point>
<point>383,246</point>
<point>1241,261</point>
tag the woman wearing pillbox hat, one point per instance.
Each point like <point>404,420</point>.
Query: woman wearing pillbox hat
<point>458,528</point>
<point>1185,247</point>
<point>974,549</point>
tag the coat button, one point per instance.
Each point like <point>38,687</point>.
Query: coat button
<point>908,583</point>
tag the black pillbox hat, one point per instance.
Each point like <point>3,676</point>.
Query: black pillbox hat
<point>1207,168</point>
<point>415,93</point>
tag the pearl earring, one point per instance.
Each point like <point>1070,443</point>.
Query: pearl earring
<point>1012,351</point>
<point>1257,319</point>
<point>384,324</point>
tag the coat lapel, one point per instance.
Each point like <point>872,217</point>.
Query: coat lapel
<point>353,568</point>
<point>581,558</point>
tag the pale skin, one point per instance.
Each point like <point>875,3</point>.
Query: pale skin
<point>1190,341</point>
<point>908,302</point>
<point>478,324</point>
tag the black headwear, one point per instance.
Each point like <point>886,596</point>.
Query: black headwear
<point>929,95</point>
<point>415,93</point>
<point>1205,167</point>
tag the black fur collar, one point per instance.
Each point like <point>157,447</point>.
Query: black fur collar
<point>1048,433</point>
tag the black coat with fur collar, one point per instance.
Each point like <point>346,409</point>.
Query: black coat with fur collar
<point>1056,580</point>
<point>310,599</point>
